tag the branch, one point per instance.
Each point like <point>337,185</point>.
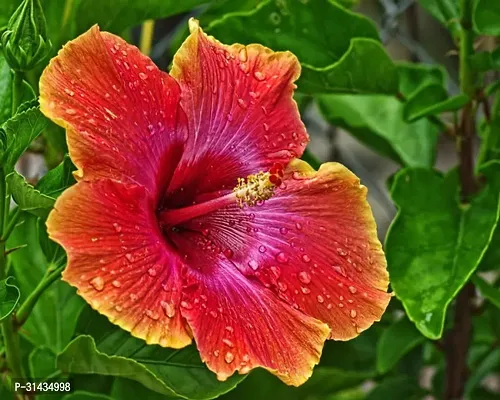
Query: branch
<point>458,340</point>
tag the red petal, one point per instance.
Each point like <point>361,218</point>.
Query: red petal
<point>239,325</point>
<point>242,117</point>
<point>118,261</point>
<point>314,244</point>
<point>120,111</point>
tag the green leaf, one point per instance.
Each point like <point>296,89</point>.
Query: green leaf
<point>486,17</point>
<point>53,320</point>
<point>9,297</point>
<point>112,351</point>
<point>452,103</point>
<point>434,244</point>
<point>489,292</point>
<point>399,387</point>
<point>488,364</point>
<point>128,389</point>
<point>445,11</point>
<point>57,180</point>
<point>325,381</point>
<point>215,10</point>
<point>82,395</point>
<point>42,363</point>
<point>432,100</point>
<point>423,88</point>
<point>118,15</point>
<point>395,342</point>
<point>21,130</point>
<point>378,122</point>
<point>7,8</point>
<point>336,57</point>
<point>413,77</point>
<point>27,197</point>
<point>6,90</point>
<point>483,61</point>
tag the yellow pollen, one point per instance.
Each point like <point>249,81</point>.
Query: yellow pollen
<point>254,189</point>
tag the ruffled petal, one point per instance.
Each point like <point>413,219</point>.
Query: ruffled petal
<point>238,325</point>
<point>121,112</point>
<point>314,244</point>
<point>242,117</point>
<point>118,261</point>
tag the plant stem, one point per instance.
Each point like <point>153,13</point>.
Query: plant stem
<point>10,337</point>
<point>25,310</point>
<point>9,226</point>
<point>458,339</point>
<point>147,34</point>
<point>17,90</point>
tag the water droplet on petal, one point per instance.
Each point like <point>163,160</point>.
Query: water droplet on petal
<point>168,308</point>
<point>229,328</point>
<point>227,342</point>
<point>304,277</point>
<point>143,76</point>
<point>353,313</point>
<point>322,229</point>
<point>152,272</point>
<point>228,253</point>
<point>243,55</point>
<point>94,239</point>
<point>97,283</point>
<point>129,257</point>
<point>298,226</point>
<point>342,252</point>
<point>262,249</point>
<point>117,227</point>
<point>229,357</point>
<point>118,308</point>
<point>341,305</point>
<point>352,289</point>
<point>282,258</point>
<point>275,271</point>
<point>320,298</point>
<point>242,104</point>
<point>259,76</point>
<point>216,353</point>
<point>153,315</point>
<point>186,305</point>
<point>70,111</point>
<point>282,286</point>
<point>306,258</point>
<point>283,231</point>
<point>253,264</point>
<point>305,290</point>
<point>116,284</point>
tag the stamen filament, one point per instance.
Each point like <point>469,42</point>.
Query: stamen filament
<point>179,215</point>
<point>249,191</point>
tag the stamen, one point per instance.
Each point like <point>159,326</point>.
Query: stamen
<point>251,190</point>
<point>254,189</point>
<point>259,187</point>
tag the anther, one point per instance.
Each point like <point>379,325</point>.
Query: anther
<point>258,187</point>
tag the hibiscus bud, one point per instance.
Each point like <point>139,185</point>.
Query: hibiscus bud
<point>25,42</point>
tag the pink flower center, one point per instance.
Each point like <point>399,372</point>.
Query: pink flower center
<point>249,191</point>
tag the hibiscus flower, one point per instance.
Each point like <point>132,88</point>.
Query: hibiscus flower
<point>193,217</point>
